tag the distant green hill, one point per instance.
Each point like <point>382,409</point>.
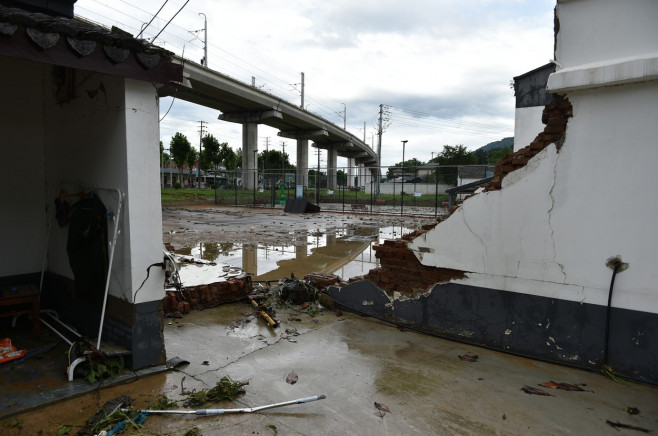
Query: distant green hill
<point>505,142</point>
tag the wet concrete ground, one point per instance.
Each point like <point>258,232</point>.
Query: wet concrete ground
<point>355,362</point>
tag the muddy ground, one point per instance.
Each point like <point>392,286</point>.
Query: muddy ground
<point>187,225</point>
<point>356,362</point>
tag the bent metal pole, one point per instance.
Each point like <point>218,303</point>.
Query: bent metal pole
<point>207,412</point>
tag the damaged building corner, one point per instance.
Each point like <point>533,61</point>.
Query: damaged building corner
<point>555,116</point>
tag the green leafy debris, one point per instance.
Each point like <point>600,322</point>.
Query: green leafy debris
<point>225,390</point>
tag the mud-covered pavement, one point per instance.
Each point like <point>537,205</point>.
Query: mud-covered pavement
<point>190,224</point>
<point>355,361</point>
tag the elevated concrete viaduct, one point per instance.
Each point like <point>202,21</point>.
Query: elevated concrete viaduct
<point>241,103</point>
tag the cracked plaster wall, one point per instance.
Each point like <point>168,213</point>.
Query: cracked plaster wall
<point>550,228</point>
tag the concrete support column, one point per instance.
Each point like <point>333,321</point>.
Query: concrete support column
<point>302,162</point>
<point>352,171</point>
<point>249,145</point>
<point>332,162</point>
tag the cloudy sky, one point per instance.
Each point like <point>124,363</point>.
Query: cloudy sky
<point>442,68</point>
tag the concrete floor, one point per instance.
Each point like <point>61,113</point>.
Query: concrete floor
<point>355,362</point>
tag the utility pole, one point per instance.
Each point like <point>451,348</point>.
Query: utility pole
<point>379,145</point>
<point>283,163</point>
<point>302,105</point>
<point>205,40</point>
<point>201,132</point>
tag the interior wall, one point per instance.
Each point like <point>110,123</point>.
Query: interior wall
<point>23,223</point>
<point>85,151</point>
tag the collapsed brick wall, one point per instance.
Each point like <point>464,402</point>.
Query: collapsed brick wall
<point>555,116</point>
<point>199,297</point>
<point>401,271</point>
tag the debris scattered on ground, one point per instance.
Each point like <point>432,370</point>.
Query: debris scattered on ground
<point>617,425</point>
<point>609,372</point>
<point>564,386</point>
<point>382,409</point>
<point>292,378</point>
<point>632,410</point>
<point>468,357</point>
<point>297,292</point>
<point>210,412</point>
<point>534,391</point>
<point>225,390</point>
<point>106,416</point>
<point>262,310</point>
<point>339,313</point>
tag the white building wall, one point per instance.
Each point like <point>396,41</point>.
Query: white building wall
<point>527,124</point>
<point>144,204</point>
<point>605,29</point>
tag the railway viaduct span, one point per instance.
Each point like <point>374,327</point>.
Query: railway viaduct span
<point>241,103</point>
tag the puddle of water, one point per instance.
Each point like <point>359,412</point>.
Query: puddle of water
<point>346,252</point>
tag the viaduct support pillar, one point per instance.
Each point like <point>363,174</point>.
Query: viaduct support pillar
<point>302,163</point>
<point>332,162</point>
<point>249,158</point>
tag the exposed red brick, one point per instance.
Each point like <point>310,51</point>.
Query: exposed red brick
<point>555,116</point>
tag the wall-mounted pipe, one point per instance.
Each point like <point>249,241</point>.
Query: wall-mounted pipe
<point>617,266</point>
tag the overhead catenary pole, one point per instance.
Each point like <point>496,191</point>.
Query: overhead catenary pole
<point>198,171</point>
<point>344,116</point>
<point>205,40</point>
<point>302,105</point>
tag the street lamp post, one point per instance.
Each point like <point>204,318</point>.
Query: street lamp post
<point>404,143</point>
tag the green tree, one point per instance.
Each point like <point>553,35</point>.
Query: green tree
<point>496,155</point>
<point>179,147</point>
<point>453,155</point>
<point>456,155</point>
<point>232,160</point>
<point>191,159</point>
<point>341,177</point>
<point>410,167</point>
<point>210,154</point>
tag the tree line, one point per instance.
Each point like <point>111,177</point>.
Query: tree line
<point>450,156</point>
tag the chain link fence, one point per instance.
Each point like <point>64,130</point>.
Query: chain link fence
<point>412,191</point>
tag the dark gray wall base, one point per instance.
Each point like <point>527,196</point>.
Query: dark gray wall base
<point>538,327</point>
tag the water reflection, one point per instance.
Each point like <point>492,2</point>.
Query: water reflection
<point>346,252</point>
